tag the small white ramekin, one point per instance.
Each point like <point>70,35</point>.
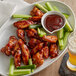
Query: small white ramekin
<point>51,13</point>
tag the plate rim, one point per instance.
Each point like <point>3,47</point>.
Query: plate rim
<point>66,45</point>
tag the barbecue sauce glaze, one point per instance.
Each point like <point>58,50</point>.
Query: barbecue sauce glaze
<point>53,22</point>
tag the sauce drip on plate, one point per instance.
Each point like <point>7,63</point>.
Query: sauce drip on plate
<point>53,22</point>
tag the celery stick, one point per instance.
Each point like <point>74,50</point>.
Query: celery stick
<point>22,19</point>
<point>66,15</point>
<point>41,7</point>
<point>45,7</point>
<point>60,33</point>
<point>49,6</point>
<point>56,9</point>
<point>68,27</point>
<point>20,16</point>
<point>30,63</point>
<point>34,26</point>
<point>61,43</point>
<point>11,68</point>
<point>33,66</point>
<point>41,32</point>
<point>65,40</point>
<point>19,72</point>
<point>38,30</point>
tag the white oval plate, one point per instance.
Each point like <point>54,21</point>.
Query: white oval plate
<point>8,29</point>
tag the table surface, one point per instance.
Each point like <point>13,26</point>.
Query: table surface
<point>53,69</point>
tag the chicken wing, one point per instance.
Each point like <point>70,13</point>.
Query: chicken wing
<point>3,50</point>
<point>12,41</point>
<point>37,48</point>
<point>25,51</point>
<point>21,34</point>
<point>53,50</point>
<point>46,43</point>
<point>38,59</point>
<point>33,42</point>
<point>17,58</point>
<point>36,12</point>
<point>45,52</point>
<point>16,47</point>
<point>6,50</point>
<point>31,33</point>
<point>35,18</point>
<point>23,24</point>
<point>52,39</point>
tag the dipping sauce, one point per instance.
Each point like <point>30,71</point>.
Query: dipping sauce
<point>53,22</point>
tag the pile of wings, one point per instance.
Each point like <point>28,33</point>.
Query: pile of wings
<point>38,48</point>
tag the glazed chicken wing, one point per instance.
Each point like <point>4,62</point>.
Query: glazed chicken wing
<point>45,52</point>
<point>3,50</point>
<point>23,24</point>
<point>38,59</point>
<point>33,42</point>
<point>31,33</point>
<point>11,43</point>
<point>53,50</point>
<point>52,39</point>
<point>17,58</point>
<point>46,43</point>
<point>36,12</point>
<point>16,52</point>
<point>21,34</point>
<point>35,18</point>
<point>6,50</point>
<point>25,51</point>
<point>16,47</point>
<point>37,48</point>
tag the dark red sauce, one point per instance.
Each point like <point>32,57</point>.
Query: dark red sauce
<point>53,22</point>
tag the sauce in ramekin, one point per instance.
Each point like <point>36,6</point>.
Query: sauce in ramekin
<point>53,22</point>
